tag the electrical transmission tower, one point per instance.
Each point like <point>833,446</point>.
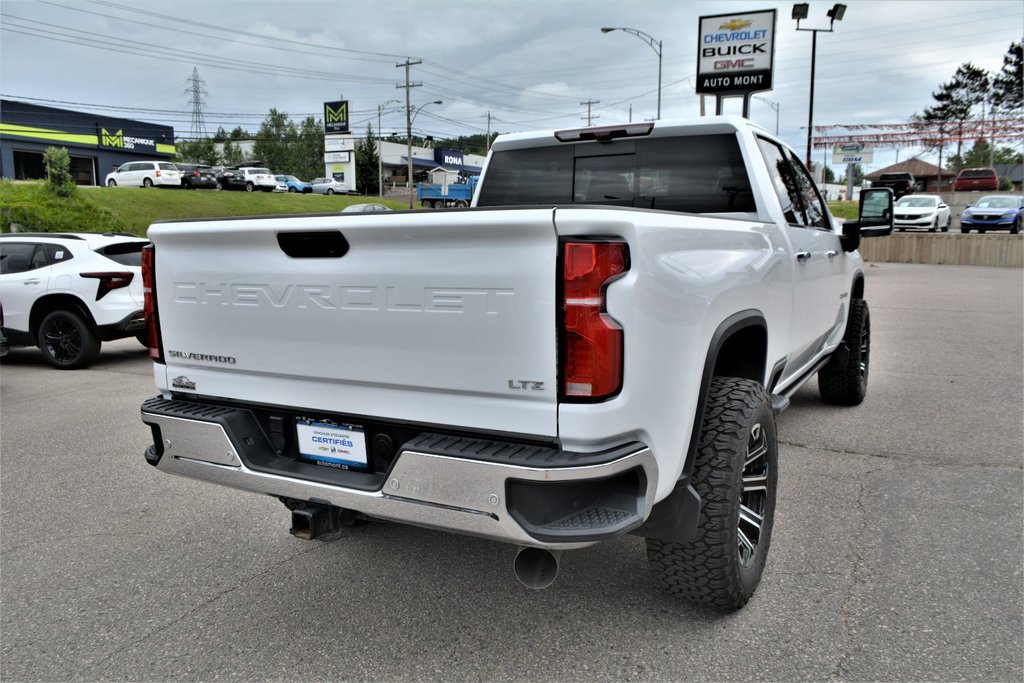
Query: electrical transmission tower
<point>197,91</point>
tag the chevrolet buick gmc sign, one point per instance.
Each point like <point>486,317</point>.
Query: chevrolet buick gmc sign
<point>736,53</point>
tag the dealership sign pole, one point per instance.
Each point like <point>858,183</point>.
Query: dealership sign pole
<point>735,56</point>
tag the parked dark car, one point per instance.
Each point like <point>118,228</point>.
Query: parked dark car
<point>899,183</point>
<point>994,212</point>
<point>195,176</point>
<point>248,176</point>
<point>983,179</point>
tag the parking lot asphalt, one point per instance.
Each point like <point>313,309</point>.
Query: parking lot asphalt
<point>897,552</point>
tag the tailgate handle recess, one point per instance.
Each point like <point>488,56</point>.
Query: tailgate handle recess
<point>320,244</point>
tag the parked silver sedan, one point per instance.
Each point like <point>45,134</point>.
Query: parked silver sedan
<point>328,186</point>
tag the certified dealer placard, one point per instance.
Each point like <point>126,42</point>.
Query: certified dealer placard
<point>736,53</point>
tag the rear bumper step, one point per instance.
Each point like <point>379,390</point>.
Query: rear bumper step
<point>527,495</point>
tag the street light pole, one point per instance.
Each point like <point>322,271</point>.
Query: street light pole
<point>410,117</point>
<point>800,11</point>
<point>655,45</point>
<point>774,105</point>
<point>380,161</point>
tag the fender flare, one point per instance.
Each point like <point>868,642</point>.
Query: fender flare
<point>675,517</point>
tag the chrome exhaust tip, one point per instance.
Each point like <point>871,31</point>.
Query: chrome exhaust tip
<point>536,568</point>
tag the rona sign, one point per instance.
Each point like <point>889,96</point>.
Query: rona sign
<point>336,117</point>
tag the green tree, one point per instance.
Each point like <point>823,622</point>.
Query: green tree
<point>307,152</point>
<point>957,102</point>
<point>58,171</point>
<point>367,179</point>
<point>202,151</point>
<point>274,140</point>
<point>232,154</point>
<point>1008,84</point>
<point>982,154</point>
<point>239,133</point>
<point>221,135</point>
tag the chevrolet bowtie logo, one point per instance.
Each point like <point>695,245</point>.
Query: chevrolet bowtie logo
<point>735,24</point>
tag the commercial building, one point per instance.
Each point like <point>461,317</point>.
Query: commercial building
<point>97,144</point>
<point>425,159</point>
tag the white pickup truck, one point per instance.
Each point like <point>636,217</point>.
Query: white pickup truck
<point>597,347</point>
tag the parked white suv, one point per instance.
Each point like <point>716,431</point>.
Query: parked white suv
<point>68,292</point>
<point>145,174</point>
<point>258,179</point>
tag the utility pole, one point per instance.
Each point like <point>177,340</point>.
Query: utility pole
<point>197,89</point>
<point>408,63</point>
<point>489,117</point>
<point>380,160</point>
<point>590,117</point>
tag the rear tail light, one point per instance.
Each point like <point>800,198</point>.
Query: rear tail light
<point>158,173</point>
<point>195,174</point>
<point>592,340</point>
<point>155,343</point>
<point>109,281</point>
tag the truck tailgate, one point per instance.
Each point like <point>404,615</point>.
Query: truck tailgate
<point>424,319</point>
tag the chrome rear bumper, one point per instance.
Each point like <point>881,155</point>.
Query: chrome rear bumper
<point>504,501</point>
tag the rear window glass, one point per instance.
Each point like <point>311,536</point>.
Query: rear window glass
<point>703,174</point>
<point>125,253</point>
<point>978,173</point>
<point>167,167</point>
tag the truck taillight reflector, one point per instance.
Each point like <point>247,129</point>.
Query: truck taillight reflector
<point>592,346</point>
<point>156,347</point>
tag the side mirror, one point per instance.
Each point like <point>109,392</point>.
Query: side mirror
<point>874,219</point>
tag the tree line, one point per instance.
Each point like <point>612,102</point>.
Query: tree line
<point>975,94</point>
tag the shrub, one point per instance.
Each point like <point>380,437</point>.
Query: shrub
<point>58,171</point>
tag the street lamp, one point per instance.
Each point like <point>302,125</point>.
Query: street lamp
<point>380,161</point>
<point>408,142</point>
<point>800,11</point>
<point>774,105</point>
<point>655,45</point>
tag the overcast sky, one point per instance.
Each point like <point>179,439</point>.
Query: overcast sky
<point>530,63</point>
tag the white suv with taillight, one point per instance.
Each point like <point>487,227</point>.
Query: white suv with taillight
<point>68,292</point>
<point>258,179</point>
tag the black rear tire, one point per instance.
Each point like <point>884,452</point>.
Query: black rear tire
<point>111,183</point>
<point>249,187</point>
<point>844,380</point>
<point>1015,228</point>
<point>146,182</point>
<point>67,341</point>
<point>736,474</point>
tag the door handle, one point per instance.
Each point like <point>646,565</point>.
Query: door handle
<point>831,253</point>
<point>802,256</point>
<point>32,282</point>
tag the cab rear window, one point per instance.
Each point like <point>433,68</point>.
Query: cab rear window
<point>704,174</point>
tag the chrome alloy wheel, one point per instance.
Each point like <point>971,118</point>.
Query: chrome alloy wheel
<point>754,498</point>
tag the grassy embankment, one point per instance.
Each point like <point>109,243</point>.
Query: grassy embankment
<point>132,209</point>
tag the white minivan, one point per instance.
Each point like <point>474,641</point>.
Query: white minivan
<point>145,174</point>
